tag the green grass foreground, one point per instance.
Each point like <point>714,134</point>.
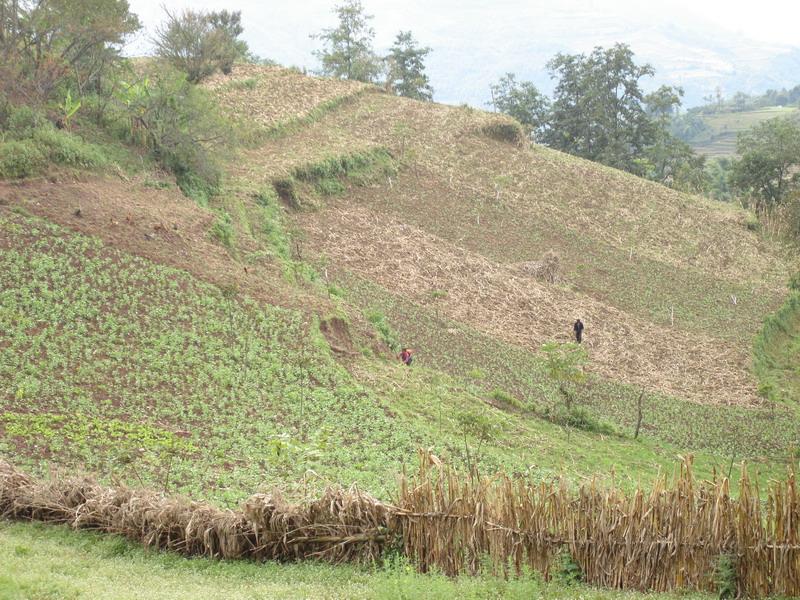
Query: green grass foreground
<point>47,562</point>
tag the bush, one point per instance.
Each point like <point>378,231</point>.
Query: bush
<point>20,159</point>
<point>504,131</point>
<point>578,417</point>
<point>506,398</point>
<point>567,570</point>
<point>287,192</point>
<point>180,125</point>
<point>44,144</point>
<point>272,227</point>
<point>387,334</point>
<point>67,149</point>
<point>23,121</point>
<point>360,168</point>
<point>222,230</point>
<point>726,577</point>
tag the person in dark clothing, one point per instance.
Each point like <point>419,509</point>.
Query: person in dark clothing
<point>578,329</point>
<point>406,356</point>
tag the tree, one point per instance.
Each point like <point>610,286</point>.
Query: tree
<point>770,158</point>
<point>523,101</point>
<point>407,68</point>
<point>564,364</point>
<point>347,52</point>
<point>200,43</point>
<point>598,110</point>
<point>668,160</point>
<point>44,43</point>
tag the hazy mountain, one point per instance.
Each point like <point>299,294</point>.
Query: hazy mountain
<point>474,43</point>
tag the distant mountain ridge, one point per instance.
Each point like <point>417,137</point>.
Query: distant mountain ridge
<point>474,45</point>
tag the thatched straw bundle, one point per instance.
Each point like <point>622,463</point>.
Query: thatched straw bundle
<point>342,525</point>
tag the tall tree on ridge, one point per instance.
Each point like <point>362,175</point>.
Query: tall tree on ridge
<point>347,51</point>
<point>407,68</point>
<point>598,107</point>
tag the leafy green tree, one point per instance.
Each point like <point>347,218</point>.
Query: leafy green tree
<point>200,43</point>
<point>718,172</point>
<point>407,68</point>
<point>564,365</point>
<point>598,108</point>
<point>770,158</point>
<point>667,159</point>
<point>45,43</point>
<point>523,101</point>
<point>347,51</point>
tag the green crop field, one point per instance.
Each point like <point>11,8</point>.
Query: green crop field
<point>124,368</point>
<point>720,138</point>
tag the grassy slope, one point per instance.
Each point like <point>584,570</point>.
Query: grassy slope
<point>720,140</point>
<point>121,367</point>
<point>52,562</point>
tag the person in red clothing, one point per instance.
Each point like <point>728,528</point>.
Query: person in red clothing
<point>406,356</point>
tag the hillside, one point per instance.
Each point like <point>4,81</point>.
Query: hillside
<point>718,139</point>
<point>215,350</point>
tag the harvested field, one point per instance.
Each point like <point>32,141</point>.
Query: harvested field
<point>509,304</point>
<point>674,286</point>
<point>269,96</point>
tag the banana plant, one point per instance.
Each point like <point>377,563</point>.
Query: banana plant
<point>70,107</point>
<point>134,96</point>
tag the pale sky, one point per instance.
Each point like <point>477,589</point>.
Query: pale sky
<point>475,42</point>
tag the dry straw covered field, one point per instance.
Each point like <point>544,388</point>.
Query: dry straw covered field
<point>672,287</point>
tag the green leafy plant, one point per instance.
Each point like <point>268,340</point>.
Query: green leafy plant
<point>69,108</point>
<point>725,577</point>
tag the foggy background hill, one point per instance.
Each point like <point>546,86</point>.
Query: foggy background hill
<point>700,48</point>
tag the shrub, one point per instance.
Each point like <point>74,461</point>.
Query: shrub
<point>196,187</point>
<point>287,192</point>
<point>222,230</point>
<point>725,576</point>
<point>272,227</point>
<point>180,125</point>
<point>567,571</point>
<point>506,398</point>
<point>20,159</point>
<point>578,417</point>
<point>23,121</point>
<point>505,131</point>
<point>67,149</point>
<point>361,168</point>
<point>387,334</point>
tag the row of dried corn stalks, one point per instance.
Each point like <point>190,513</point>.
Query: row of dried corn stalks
<point>670,537</point>
<point>343,525</point>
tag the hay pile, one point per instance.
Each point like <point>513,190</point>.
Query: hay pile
<point>342,525</point>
